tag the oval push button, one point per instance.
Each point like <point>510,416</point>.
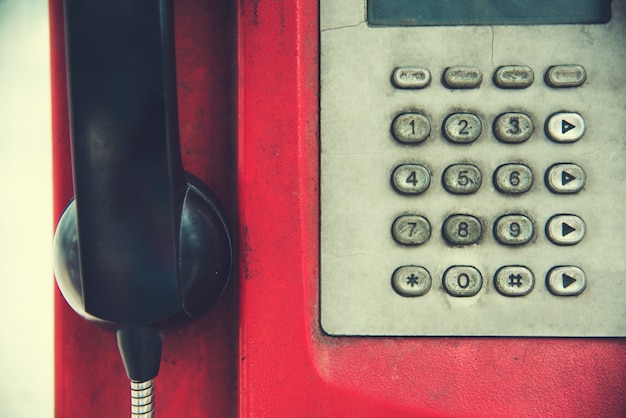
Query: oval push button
<point>514,77</point>
<point>513,128</point>
<point>566,281</point>
<point>565,229</point>
<point>462,77</point>
<point>462,281</point>
<point>565,178</point>
<point>462,178</point>
<point>513,178</point>
<point>514,280</point>
<point>513,229</point>
<point>411,281</point>
<point>410,77</point>
<point>462,128</point>
<point>410,178</point>
<point>410,128</point>
<point>411,230</point>
<point>566,76</point>
<point>462,229</point>
<point>565,127</point>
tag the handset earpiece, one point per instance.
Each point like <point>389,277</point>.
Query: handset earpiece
<point>143,245</point>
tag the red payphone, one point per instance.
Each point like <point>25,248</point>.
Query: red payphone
<point>322,319</point>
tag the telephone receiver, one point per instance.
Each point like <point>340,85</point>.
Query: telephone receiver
<point>143,246</point>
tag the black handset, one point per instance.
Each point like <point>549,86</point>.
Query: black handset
<point>143,245</point>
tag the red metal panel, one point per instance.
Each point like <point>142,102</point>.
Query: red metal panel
<point>199,369</point>
<point>289,368</point>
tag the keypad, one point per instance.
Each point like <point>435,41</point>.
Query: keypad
<point>510,178</point>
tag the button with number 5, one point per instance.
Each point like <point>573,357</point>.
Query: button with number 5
<point>513,229</point>
<point>410,178</point>
<point>462,178</point>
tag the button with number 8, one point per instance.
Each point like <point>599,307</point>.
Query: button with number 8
<point>513,229</point>
<point>462,229</point>
<point>410,178</point>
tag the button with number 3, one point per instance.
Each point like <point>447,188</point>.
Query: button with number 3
<point>410,178</point>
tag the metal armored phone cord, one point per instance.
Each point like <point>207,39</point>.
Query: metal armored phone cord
<point>142,399</point>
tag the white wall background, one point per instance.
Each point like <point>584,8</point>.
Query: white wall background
<point>26,282</point>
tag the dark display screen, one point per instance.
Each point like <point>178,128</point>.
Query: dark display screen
<point>486,12</point>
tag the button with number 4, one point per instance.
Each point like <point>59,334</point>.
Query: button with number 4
<point>462,281</point>
<point>410,178</point>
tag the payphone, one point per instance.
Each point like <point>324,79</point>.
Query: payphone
<point>360,133</point>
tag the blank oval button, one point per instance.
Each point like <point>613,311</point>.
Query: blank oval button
<point>410,179</point>
<point>514,77</point>
<point>566,76</point>
<point>410,128</point>
<point>565,127</point>
<point>411,230</point>
<point>411,281</point>
<point>514,281</point>
<point>462,229</point>
<point>462,128</point>
<point>513,128</point>
<point>565,229</point>
<point>565,178</point>
<point>462,281</point>
<point>462,178</point>
<point>410,77</point>
<point>462,77</point>
<point>513,178</point>
<point>513,229</point>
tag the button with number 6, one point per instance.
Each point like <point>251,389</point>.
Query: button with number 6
<point>513,178</point>
<point>410,178</point>
<point>513,229</point>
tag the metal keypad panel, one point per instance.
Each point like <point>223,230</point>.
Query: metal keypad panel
<point>472,178</point>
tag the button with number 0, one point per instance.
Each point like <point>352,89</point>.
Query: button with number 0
<point>462,281</point>
<point>462,229</point>
<point>410,128</point>
<point>411,281</point>
<point>513,178</point>
<point>410,178</point>
<point>513,229</point>
<point>462,178</point>
<point>411,230</point>
<point>513,128</point>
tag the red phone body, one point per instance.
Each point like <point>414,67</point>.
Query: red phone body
<point>248,77</point>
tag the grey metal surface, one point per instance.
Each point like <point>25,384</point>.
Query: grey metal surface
<point>359,155</point>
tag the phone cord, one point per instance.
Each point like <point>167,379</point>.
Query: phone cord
<point>142,399</point>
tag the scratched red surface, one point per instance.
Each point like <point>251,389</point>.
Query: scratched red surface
<point>260,353</point>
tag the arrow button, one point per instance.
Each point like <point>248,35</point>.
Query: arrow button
<point>565,127</point>
<point>566,281</point>
<point>565,178</point>
<point>565,229</point>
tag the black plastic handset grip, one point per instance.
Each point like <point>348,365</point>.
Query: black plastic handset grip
<point>143,242</point>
